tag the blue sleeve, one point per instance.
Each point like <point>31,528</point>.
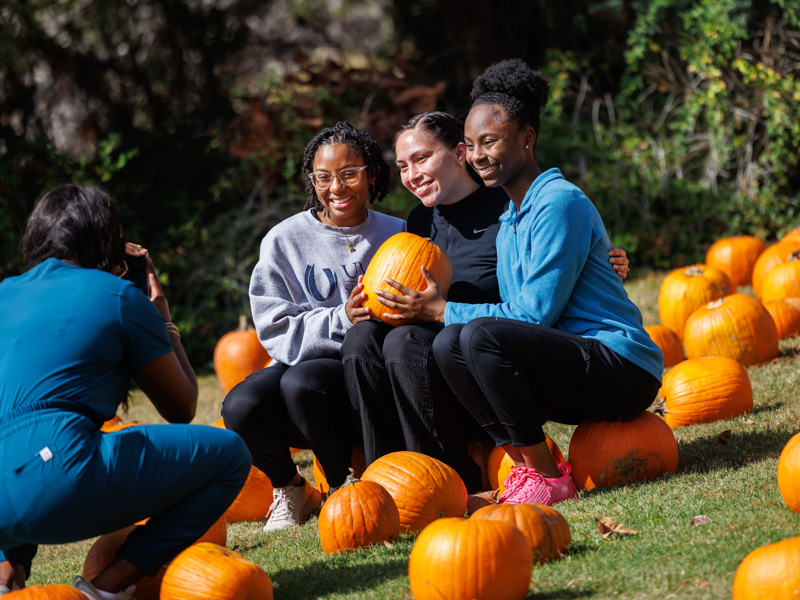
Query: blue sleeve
<point>146,331</point>
<point>538,265</point>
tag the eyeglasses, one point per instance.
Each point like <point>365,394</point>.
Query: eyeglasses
<point>322,180</point>
<point>122,270</point>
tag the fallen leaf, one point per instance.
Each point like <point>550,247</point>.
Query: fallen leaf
<point>698,520</point>
<point>607,528</point>
<point>481,499</point>
<point>723,437</point>
<point>748,421</point>
<point>387,544</point>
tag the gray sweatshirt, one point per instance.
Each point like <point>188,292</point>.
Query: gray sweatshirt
<point>303,278</point>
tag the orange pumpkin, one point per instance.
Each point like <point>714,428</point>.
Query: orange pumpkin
<point>253,500</point>
<point>423,488</point>
<point>792,235</point>
<point>358,463</point>
<point>736,326</point>
<point>786,314</point>
<point>46,592</point>
<point>207,571</point>
<point>735,256</point>
<point>669,343</point>
<point>237,354</point>
<point>104,549</point>
<point>501,464</point>
<point>703,390</point>
<point>777,253</point>
<point>544,527</point>
<point>782,280</point>
<point>789,473</point>
<point>607,453</point>
<point>400,258</point>
<point>685,290</point>
<point>111,423</point>
<point>462,559</point>
<point>358,514</point>
<point>770,572</point>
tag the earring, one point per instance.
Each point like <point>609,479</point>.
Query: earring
<point>526,147</point>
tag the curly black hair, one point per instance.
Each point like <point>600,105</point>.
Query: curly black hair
<point>520,90</point>
<point>364,144</point>
<point>78,223</point>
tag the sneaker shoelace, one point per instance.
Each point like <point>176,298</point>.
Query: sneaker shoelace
<point>531,482</point>
<point>281,505</point>
<point>513,483</point>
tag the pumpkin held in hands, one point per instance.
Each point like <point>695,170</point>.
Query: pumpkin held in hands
<point>400,258</point>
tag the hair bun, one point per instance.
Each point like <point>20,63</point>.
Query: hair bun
<point>513,77</point>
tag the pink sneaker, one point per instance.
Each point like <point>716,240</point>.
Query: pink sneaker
<point>513,484</point>
<point>535,489</point>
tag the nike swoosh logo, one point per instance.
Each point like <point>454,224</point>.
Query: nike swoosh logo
<point>479,230</point>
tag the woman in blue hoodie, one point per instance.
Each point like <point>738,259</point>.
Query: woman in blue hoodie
<point>565,343</point>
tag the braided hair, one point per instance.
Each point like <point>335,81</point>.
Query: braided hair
<point>520,90</point>
<point>363,143</point>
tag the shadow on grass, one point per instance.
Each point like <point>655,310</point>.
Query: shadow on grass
<point>764,408</point>
<point>706,454</point>
<point>331,578</point>
<point>579,593</point>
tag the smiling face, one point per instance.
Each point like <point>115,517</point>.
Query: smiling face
<point>495,145</point>
<point>428,170</point>
<point>346,204</point>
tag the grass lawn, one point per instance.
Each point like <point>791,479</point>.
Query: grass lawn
<point>733,485</point>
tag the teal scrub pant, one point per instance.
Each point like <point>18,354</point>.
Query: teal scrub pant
<point>64,481</point>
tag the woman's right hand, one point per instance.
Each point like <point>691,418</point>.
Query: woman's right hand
<point>354,307</point>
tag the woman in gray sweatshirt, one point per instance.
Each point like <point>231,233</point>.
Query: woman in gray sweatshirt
<point>305,296</point>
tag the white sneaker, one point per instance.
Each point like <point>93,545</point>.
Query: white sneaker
<point>292,505</point>
<point>91,592</point>
<point>4,590</point>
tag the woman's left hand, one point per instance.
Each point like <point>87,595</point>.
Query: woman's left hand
<point>427,305</point>
<point>619,261</point>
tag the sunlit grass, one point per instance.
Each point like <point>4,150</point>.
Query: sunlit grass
<point>732,484</point>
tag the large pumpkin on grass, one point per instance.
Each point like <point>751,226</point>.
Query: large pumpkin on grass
<point>464,559</point>
<point>736,326</point>
<point>500,464</point>
<point>358,463</point>
<point>423,488</point>
<point>782,280</point>
<point>777,253</point>
<point>770,572</point>
<point>685,290</point>
<point>703,390</point>
<point>669,343</point>
<point>786,314</point>
<point>46,592</point>
<point>358,514</point>
<point>735,256</point>
<point>789,473</point>
<point>544,527</point>
<point>207,571</point>
<point>237,354</point>
<point>606,453</point>
<point>400,258</point>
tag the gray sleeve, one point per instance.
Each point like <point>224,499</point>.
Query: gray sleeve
<point>289,327</point>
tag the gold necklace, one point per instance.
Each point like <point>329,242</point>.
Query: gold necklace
<point>350,245</point>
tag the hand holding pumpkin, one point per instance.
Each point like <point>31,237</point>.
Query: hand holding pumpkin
<point>427,305</point>
<point>354,307</point>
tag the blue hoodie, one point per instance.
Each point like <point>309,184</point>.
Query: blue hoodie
<point>553,269</point>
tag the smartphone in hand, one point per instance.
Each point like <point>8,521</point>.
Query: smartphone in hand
<point>137,273</point>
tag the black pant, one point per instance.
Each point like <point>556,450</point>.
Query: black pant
<point>303,406</point>
<point>514,376</point>
<point>402,398</point>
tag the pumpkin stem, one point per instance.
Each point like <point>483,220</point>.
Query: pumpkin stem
<point>795,255</point>
<point>715,303</point>
<point>693,272</point>
<point>243,324</point>
<point>350,479</point>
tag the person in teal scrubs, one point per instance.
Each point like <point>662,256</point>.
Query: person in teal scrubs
<point>73,336</point>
